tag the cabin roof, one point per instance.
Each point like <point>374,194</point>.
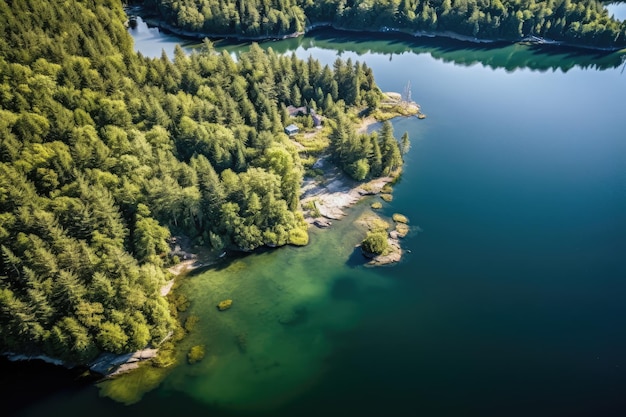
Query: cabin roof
<point>291,129</point>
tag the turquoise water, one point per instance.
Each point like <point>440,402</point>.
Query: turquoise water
<point>511,300</point>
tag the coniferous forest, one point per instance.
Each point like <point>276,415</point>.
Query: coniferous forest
<point>105,154</point>
<point>579,22</point>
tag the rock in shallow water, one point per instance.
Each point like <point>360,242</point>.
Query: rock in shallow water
<point>224,305</point>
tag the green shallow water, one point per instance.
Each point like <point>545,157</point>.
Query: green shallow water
<point>289,304</point>
<point>511,300</point>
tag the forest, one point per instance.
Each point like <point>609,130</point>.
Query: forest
<point>577,22</point>
<point>105,154</point>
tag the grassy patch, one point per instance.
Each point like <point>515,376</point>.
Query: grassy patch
<point>308,161</point>
<point>312,208</point>
<point>377,225</point>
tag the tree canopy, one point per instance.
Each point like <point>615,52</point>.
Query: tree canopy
<point>105,153</point>
<point>581,22</point>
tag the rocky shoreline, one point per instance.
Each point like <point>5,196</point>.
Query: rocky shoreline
<point>107,364</point>
<point>330,196</point>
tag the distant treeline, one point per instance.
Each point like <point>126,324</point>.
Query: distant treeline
<point>583,22</point>
<point>105,153</point>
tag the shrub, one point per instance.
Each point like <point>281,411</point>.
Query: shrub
<point>299,237</point>
<point>375,242</point>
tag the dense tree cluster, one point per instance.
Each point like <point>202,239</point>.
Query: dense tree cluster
<point>105,153</point>
<point>584,22</point>
<point>78,267</point>
<point>253,18</point>
<point>364,156</point>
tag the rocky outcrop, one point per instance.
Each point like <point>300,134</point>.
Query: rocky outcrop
<point>107,364</point>
<point>322,222</point>
<point>393,255</point>
<point>110,364</point>
<point>336,192</point>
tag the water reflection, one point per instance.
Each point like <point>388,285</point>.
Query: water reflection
<point>151,41</point>
<point>495,55</point>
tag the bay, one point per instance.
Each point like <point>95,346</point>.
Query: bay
<point>510,301</point>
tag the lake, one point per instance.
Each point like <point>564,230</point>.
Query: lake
<point>509,300</point>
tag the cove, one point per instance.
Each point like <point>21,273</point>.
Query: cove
<point>510,301</point>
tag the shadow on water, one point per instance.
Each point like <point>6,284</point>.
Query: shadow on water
<point>299,315</point>
<point>29,382</point>
<point>344,289</point>
<point>223,263</point>
<point>356,258</point>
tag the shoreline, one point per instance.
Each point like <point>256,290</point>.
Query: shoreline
<point>336,193</point>
<point>158,22</point>
<point>331,195</point>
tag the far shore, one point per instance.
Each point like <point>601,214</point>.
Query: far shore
<point>161,24</point>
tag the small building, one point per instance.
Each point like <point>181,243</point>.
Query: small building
<point>291,129</point>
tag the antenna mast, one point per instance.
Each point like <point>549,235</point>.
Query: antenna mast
<point>407,92</point>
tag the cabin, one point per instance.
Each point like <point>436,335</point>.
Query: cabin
<point>291,129</point>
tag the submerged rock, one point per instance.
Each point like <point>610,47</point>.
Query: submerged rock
<point>401,230</point>
<point>195,354</point>
<point>224,305</point>
<point>110,364</point>
<point>400,218</point>
<point>297,315</point>
<point>322,223</point>
<point>241,340</point>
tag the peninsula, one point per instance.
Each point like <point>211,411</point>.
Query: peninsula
<point>106,154</point>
